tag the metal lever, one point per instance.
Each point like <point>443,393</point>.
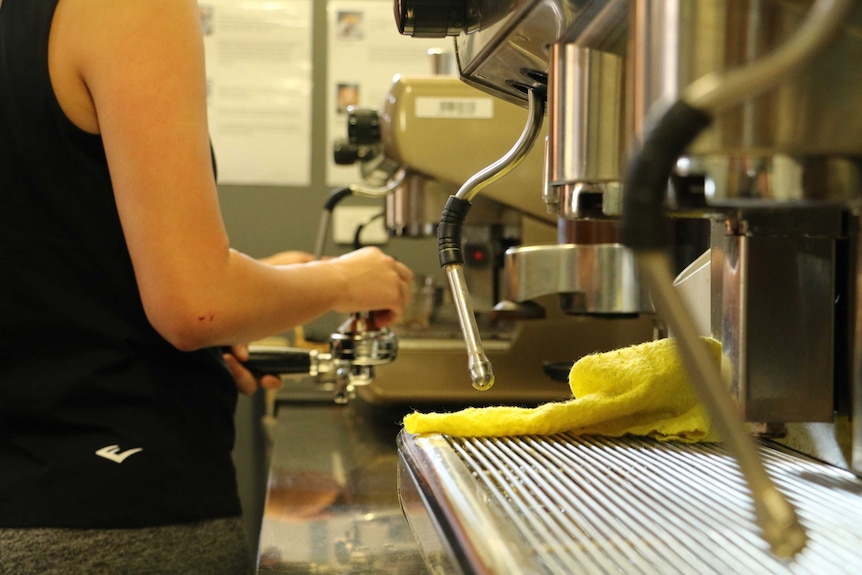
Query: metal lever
<point>449,239</point>
<point>775,515</point>
<point>642,231</point>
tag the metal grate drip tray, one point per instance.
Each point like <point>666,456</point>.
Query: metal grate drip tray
<point>566,504</point>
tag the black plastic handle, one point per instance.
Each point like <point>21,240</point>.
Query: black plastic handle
<point>278,361</point>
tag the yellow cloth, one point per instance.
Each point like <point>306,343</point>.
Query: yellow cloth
<point>639,390</point>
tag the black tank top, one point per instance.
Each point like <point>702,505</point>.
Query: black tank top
<point>102,422</point>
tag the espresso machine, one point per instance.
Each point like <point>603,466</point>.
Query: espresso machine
<point>431,134</point>
<point>741,115</point>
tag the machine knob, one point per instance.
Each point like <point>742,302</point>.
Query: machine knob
<point>346,153</point>
<point>431,18</point>
<point>363,126</point>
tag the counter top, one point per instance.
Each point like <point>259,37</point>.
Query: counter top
<point>332,504</point>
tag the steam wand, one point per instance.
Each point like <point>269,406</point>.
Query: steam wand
<point>642,230</point>
<point>449,239</point>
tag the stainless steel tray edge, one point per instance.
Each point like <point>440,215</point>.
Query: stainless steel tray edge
<point>447,487</point>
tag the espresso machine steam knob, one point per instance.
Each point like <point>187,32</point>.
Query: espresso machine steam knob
<point>346,153</point>
<point>363,138</point>
<point>431,18</point>
<point>363,126</point>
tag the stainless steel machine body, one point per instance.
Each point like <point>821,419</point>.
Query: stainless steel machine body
<point>776,172</point>
<point>435,133</point>
<point>782,168</point>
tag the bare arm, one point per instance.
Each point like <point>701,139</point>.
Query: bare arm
<point>140,66</point>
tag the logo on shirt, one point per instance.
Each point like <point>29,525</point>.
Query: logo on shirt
<point>113,453</point>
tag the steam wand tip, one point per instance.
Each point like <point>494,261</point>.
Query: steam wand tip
<point>780,524</point>
<point>481,374</point>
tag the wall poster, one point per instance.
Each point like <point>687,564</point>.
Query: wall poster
<point>258,60</point>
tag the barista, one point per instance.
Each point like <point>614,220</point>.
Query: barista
<point>119,286</point>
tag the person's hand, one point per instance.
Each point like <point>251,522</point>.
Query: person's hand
<point>375,282</point>
<point>246,382</point>
<point>287,258</point>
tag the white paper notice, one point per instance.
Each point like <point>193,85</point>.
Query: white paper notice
<point>365,53</point>
<point>258,56</point>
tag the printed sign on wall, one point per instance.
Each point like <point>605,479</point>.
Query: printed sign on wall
<point>258,57</point>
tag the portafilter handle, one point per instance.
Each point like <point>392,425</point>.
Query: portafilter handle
<point>265,360</point>
<point>355,349</point>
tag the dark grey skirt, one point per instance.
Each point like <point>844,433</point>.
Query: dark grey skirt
<point>217,547</point>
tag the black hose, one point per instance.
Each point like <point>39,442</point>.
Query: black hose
<point>449,231</point>
<point>357,241</point>
<point>335,197</point>
<point>648,173</point>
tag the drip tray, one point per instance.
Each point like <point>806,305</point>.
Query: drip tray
<point>566,504</point>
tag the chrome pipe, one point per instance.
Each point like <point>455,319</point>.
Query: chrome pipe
<point>380,191</point>
<point>489,175</point>
<point>481,372</point>
<point>775,515</point>
<point>721,89</point>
